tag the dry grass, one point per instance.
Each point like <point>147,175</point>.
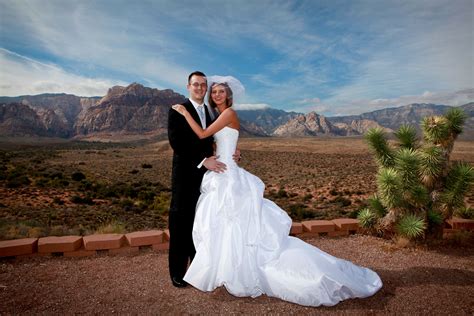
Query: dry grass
<point>320,178</point>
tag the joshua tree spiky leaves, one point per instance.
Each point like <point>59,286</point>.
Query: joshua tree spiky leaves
<point>417,185</point>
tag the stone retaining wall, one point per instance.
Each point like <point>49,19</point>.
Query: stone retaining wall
<point>158,240</point>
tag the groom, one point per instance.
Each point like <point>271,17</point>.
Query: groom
<point>191,158</point>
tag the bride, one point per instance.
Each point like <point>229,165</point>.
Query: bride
<point>242,239</point>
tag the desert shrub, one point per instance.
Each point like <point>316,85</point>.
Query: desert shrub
<point>112,227</point>
<point>465,212</point>
<point>21,229</point>
<point>56,175</point>
<point>134,171</point>
<point>58,183</point>
<point>342,201</point>
<point>146,195</point>
<point>353,214</point>
<point>125,203</point>
<point>106,191</point>
<point>307,197</point>
<point>78,176</point>
<point>85,185</point>
<point>146,166</point>
<point>161,203</point>
<point>81,200</point>
<point>415,179</point>
<point>17,182</point>
<point>282,193</point>
<point>61,230</point>
<point>299,212</point>
<point>58,201</point>
<point>333,192</point>
<point>411,226</point>
<point>367,218</point>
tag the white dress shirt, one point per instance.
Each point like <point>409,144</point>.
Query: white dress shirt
<point>203,123</point>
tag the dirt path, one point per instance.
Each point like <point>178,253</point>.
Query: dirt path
<point>416,281</point>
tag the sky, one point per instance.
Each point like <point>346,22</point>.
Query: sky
<point>333,57</point>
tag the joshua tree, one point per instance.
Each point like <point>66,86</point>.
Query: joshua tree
<point>418,188</point>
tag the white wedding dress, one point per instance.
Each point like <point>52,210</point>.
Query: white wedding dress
<point>242,242</point>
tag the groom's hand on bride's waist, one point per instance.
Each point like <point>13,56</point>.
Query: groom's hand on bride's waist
<point>213,164</point>
<point>237,155</point>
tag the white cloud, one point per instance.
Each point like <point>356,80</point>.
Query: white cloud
<point>455,98</point>
<point>22,75</point>
<point>103,36</point>
<point>251,106</point>
<point>358,106</point>
<point>310,105</point>
<point>347,53</point>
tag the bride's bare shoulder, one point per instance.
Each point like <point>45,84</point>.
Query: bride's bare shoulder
<point>229,111</point>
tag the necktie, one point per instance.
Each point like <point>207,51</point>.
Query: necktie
<point>202,116</point>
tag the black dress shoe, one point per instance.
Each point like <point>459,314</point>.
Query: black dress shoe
<point>179,282</point>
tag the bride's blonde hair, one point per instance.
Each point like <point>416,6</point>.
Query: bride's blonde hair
<point>228,91</point>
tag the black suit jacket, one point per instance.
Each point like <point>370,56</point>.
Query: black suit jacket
<point>188,152</point>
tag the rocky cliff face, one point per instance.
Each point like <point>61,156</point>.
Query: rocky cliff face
<point>18,119</point>
<point>265,121</point>
<point>310,124</point>
<point>138,110</point>
<point>359,127</point>
<point>57,113</point>
<point>133,109</point>
<point>393,118</point>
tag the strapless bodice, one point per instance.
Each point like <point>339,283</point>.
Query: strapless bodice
<point>226,143</point>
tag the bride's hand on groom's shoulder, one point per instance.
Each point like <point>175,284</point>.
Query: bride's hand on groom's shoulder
<point>179,108</point>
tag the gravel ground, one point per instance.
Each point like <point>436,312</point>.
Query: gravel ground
<point>432,281</point>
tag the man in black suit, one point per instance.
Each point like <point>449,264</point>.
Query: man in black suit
<point>191,158</point>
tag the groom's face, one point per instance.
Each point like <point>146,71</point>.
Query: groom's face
<point>197,88</point>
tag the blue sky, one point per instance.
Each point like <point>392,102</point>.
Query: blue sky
<point>333,57</point>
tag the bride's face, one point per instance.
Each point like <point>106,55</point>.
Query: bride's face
<point>219,95</point>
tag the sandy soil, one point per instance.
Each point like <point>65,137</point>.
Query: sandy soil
<point>417,280</point>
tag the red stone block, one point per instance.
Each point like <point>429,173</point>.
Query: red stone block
<point>346,224</point>
<point>461,223</point>
<point>318,226</point>
<point>338,233</point>
<point>103,241</point>
<point>296,228</point>
<point>166,237</point>
<point>161,247</point>
<point>124,251</point>
<point>80,253</point>
<point>59,244</point>
<point>145,238</point>
<point>16,247</point>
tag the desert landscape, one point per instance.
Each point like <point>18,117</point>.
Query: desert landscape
<point>58,187</point>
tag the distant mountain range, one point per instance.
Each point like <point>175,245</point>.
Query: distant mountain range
<point>143,111</point>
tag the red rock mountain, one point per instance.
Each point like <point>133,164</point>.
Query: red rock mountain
<point>132,109</point>
<point>143,112</point>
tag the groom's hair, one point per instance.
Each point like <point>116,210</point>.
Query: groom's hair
<point>196,73</point>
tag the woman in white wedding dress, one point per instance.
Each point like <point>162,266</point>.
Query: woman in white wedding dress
<point>242,239</point>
